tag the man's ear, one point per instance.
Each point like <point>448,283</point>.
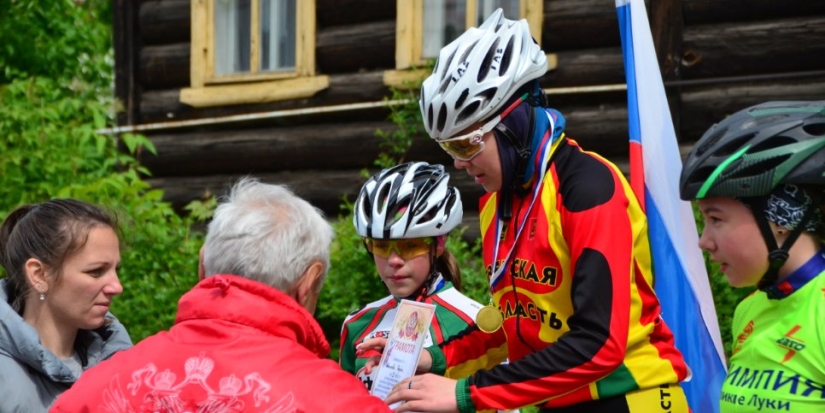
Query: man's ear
<point>36,275</point>
<point>201,270</point>
<point>309,286</point>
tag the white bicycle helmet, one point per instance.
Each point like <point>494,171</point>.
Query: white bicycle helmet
<point>476,74</point>
<point>411,200</point>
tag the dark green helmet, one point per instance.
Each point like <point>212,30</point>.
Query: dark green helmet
<point>754,150</point>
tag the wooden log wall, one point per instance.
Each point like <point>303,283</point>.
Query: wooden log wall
<point>717,56</point>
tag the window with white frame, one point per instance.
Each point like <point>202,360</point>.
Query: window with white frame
<point>240,47</point>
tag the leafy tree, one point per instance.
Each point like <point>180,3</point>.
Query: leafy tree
<point>55,39</point>
<point>55,93</point>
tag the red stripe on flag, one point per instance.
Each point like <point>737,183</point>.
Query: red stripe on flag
<point>637,172</point>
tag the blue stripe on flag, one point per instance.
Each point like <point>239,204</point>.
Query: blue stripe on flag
<point>681,311</point>
<point>630,74</point>
<point>681,279</point>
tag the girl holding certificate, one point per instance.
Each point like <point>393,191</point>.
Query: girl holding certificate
<point>404,214</point>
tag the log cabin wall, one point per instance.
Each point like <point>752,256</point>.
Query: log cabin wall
<point>716,56</point>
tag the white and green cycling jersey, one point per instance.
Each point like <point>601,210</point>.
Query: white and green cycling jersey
<point>778,361</point>
<point>454,313</point>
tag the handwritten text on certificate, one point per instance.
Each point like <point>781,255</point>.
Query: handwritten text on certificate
<point>404,345</point>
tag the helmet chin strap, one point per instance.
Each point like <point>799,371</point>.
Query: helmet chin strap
<point>777,255</point>
<point>522,160</point>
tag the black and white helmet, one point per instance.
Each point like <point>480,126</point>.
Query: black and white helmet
<point>476,74</point>
<point>411,200</point>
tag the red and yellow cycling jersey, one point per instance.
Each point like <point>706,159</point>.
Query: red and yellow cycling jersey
<point>581,320</point>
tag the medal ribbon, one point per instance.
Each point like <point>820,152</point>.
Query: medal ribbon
<point>544,158</point>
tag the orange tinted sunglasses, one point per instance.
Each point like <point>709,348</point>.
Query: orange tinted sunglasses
<point>405,248</point>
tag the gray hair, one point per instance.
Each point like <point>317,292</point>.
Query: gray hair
<point>266,233</point>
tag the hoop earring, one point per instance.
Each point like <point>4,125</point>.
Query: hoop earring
<point>42,296</point>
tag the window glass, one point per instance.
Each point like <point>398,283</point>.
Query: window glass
<point>232,36</point>
<point>277,35</point>
<point>443,20</point>
<point>485,8</point>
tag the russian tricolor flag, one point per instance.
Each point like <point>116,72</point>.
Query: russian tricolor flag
<point>655,164</point>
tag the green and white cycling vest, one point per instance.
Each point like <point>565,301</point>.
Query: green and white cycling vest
<point>778,361</point>
<point>454,313</point>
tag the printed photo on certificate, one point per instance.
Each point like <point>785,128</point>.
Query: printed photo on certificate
<point>404,345</point>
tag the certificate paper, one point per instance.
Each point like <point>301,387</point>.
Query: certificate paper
<point>404,345</point>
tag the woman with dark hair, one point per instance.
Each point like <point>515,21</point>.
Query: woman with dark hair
<point>61,259</point>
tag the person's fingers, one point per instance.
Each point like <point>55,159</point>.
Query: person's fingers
<point>371,363</point>
<point>377,343</point>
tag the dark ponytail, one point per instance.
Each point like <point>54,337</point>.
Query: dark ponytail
<point>447,265</point>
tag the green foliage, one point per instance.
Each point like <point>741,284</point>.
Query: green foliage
<point>474,282</point>
<point>54,38</point>
<point>55,92</point>
<point>407,117</point>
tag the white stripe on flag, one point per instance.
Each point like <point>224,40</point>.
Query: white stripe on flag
<point>673,233</point>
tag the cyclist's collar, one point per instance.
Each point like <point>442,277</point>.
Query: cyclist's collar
<point>798,278</point>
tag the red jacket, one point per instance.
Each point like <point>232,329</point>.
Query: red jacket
<point>236,346</point>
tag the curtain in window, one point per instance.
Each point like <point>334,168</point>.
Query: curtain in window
<point>444,20</point>
<point>232,36</point>
<point>277,35</point>
<point>485,8</point>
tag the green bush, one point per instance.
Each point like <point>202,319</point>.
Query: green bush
<point>51,150</point>
<point>55,92</point>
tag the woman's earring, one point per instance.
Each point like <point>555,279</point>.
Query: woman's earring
<point>42,296</point>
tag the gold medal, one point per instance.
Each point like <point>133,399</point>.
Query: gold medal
<point>489,319</point>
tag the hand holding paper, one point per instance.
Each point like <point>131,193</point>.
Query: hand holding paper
<point>425,393</point>
<point>403,346</point>
<point>425,360</point>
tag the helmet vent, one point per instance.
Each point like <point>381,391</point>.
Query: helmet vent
<point>506,58</point>
<point>461,98</point>
<point>470,110</point>
<point>733,145</point>
<point>717,134</point>
<point>442,117</point>
<point>382,197</point>
<point>759,168</point>
<point>701,174</point>
<point>486,64</point>
<point>444,84</point>
<point>467,52</point>
<point>815,129</point>
<point>775,142</point>
<point>488,95</point>
<point>447,65</point>
<point>430,116</point>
